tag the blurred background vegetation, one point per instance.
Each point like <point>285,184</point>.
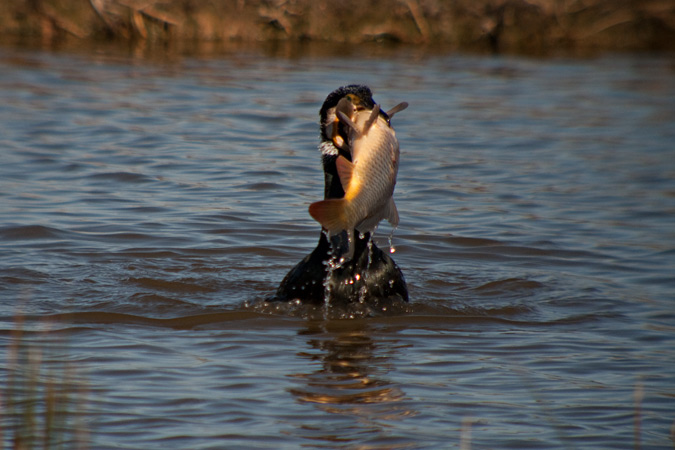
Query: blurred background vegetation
<point>42,397</point>
<point>525,26</point>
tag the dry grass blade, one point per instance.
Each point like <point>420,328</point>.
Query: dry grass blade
<point>43,400</point>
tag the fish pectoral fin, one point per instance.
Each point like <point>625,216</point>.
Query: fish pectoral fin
<point>343,117</point>
<point>396,109</point>
<point>374,114</point>
<point>345,170</point>
<point>330,214</point>
<point>391,213</point>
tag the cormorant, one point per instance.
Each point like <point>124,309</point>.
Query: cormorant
<point>370,274</point>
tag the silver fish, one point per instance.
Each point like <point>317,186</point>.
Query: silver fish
<point>368,180</point>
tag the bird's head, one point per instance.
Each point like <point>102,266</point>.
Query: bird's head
<point>347,99</point>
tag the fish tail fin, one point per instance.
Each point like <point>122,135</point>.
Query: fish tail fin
<point>330,214</point>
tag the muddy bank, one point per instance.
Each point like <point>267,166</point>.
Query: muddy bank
<point>534,26</point>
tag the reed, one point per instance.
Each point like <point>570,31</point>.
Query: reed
<point>42,402</point>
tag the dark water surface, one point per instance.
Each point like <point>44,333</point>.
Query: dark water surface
<point>148,207</point>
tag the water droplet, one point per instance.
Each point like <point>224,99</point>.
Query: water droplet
<point>392,249</point>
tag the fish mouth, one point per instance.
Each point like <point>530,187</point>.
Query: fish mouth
<point>348,105</point>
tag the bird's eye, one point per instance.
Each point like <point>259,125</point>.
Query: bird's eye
<point>353,98</point>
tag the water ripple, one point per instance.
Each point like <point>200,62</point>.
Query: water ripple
<point>148,208</point>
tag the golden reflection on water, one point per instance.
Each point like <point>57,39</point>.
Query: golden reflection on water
<point>351,376</point>
<point>351,383</point>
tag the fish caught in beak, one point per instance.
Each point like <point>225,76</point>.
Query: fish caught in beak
<point>345,108</point>
<point>351,128</point>
<point>367,165</point>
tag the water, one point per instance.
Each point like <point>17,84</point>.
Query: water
<point>148,206</point>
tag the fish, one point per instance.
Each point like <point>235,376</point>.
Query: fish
<point>368,180</point>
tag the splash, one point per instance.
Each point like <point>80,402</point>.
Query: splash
<point>334,262</point>
<point>357,276</point>
<point>363,290</point>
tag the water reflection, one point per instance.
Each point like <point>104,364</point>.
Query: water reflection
<point>350,381</point>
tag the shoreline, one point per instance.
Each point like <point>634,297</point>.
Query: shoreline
<point>496,26</point>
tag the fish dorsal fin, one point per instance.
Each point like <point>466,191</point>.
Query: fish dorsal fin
<point>396,109</point>
<point>345,170</point>
<point>373,117</point>
<point>343,117</point>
